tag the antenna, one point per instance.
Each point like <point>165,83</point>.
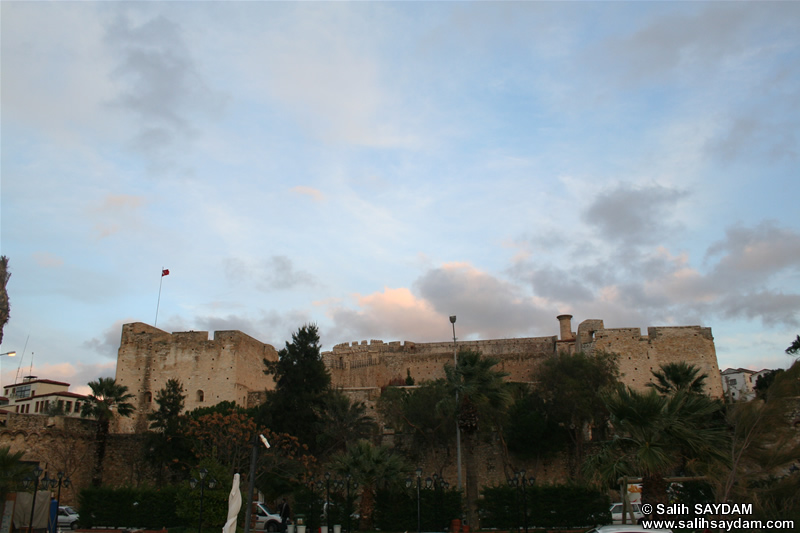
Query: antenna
<point>22,358</point>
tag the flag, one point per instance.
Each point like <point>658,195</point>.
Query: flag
<point>165,272</point>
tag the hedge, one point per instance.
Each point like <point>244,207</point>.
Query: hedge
<point>566,506</point>
<point>128,507</point>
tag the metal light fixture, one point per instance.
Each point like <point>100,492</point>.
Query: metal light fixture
<point>458,429</point>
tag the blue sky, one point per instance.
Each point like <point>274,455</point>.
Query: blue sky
<point>377,167</point>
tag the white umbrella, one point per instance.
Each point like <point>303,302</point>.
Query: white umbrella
<point>234,504</point>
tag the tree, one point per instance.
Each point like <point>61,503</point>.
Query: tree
<point>656,435</point>
<point>425,415</point>
<point>5,307</point>
<point>168,448</point>
<point>482,396</point>
<point>764,382</point>
<point>12,470</point>
<point>572,387</point>
<point>673,377</point>
<point>532,431</point>
<point>794,348</point>
<point>369,465</point>
<point>107,399</point>
<point>226,439</point>
<point>301,385</point>
<point>763,449</point>
<point>343,421</point>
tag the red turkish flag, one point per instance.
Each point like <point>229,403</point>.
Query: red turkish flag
<point>165,272</point>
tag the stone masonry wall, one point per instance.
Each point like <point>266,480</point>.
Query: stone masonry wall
<point>378,364</point>
<point>226,368</point>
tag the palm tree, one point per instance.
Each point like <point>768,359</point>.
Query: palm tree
<point>343,421</point>
<point>5,308</point>
<point>368,464</point>
<point>12,470</point>
<point>482,395</point>
<point>106,399</point>
<point>794,347</point>
<point>678,376</point>
<point>655,435</point>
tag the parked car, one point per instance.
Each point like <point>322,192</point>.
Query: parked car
<point>67,517</point>
<point>616,513</point>
<point>266,520</point>
<point>632,528</point>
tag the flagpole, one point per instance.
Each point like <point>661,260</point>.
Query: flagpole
<point>161,282</point>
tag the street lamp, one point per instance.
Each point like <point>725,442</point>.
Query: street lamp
<point>521,481</point>
<point>348,477</point>
<point>419,486</point>
<point>211,483</point>
<point>37,472</point>
<point>58,481</point>
<point>458,429</point>
<point>252,481</point>
<point>328,500</point>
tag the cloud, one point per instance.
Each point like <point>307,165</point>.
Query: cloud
<point>273,274</point>
<point>117,212</point>
<point>48,260</point>
<point>108,343</point>
<point>394,314</point>
<point>486,307</point>
<point>77,375</point>
<point>633,214</point>
<point>314,194</point>
<point>159,86</point>
<point>763,250</point>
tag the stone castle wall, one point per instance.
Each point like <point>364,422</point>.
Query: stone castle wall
<point>227,368</point>
<point>378,364</point>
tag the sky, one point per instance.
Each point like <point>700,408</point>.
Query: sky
<point>375,167</point>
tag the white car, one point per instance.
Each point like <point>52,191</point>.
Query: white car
<point>67,517</point>
<point>631,528</point>
<point>266,520</point>
<point>616,513</point>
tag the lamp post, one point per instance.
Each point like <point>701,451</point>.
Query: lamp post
<point>438,487</point>
<point>328,500</point>
<point>251,482</point>
<point>211,483</point>
<point>419,486</point>
<point>37,472</point>
<point>458,429</point>
<point>58,482</point>
<point>348,477</point>
<point>522,481</point>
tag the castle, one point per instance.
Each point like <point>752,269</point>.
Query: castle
<point>230,367</point>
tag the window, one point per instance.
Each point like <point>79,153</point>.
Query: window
<point>200,396</point>
<point>732,382</point>
<point>23,391</point>
<point>148,397</point>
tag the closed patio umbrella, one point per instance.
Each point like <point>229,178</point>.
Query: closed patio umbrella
<point>234,504</point>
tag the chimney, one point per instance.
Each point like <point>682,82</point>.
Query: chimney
<point>565,321</point>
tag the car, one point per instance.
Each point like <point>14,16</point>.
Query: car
<point>67,517</point>
<point>266,520</point>
<point>616,513</point>
<point>630,528</point>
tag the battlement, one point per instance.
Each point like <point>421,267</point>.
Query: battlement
<point>223,368</point>
<point>377,363</point>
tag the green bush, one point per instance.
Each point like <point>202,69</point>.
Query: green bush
<point>396,510</point>
<point>128,507</point>
<point>504,507</point>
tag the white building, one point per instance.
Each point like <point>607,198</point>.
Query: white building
<point>41,396</point>
<point>739,384</point>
